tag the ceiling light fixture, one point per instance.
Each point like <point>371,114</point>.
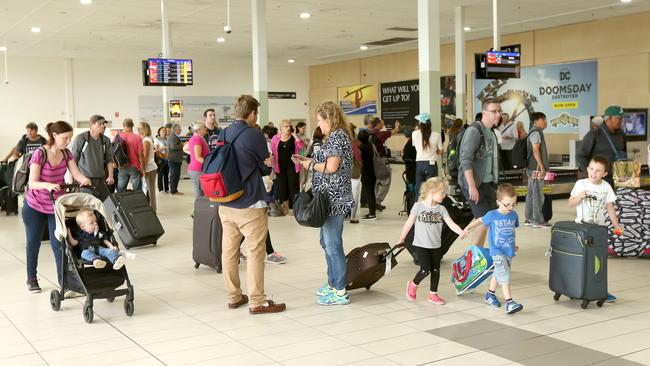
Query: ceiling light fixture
<point>3,49</point>
<point>363,47</point>
<point>291,61</point>
<point>467,28</point>
<point>221,40</point>
<point>305,15</point>
<point>36,29</point>
<point>626,1</point>
<point>86,2</point>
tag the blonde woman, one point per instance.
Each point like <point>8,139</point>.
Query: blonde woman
<point>332,170</point>
<point>150,167</point>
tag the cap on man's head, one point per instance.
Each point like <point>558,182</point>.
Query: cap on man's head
<point>614,111</point>
<point>423,117</point>
<point>168,125</point>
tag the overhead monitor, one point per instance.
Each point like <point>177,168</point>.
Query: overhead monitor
<point>167,72</point>
<point>502,65</point>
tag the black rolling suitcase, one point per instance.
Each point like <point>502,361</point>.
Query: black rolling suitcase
<point>368,264</point>
<point>206,234</point>
<point>134,220</point>
<point>578,265</point>
<point>8,201</point>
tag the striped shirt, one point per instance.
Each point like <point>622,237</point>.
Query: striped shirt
<point>39,199</point>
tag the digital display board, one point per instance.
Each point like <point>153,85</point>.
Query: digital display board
<point>502,65</point>
<point>167,72</point>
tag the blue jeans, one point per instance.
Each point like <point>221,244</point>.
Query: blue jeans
<point>34,222</point>
<point>88,254</point>
<point>331,240</point>
<point>174,175</point>
<point>423,171</point>
<point>196,182</point>
<point>126,174</point>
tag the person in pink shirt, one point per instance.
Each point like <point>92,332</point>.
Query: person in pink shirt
<point>198,149</point>
<point>134,172</point>
<point>283,146</point>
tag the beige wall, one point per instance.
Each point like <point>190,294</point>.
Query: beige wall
<point>620,45</point>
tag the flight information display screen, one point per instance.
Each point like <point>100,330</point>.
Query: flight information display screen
<point>167,72</point>
<point>502,65</point>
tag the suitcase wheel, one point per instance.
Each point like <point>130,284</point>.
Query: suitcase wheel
<point>55,300</point>
<point>218,269</point>
<point>556,297</point>
<point>600,303</point>
<point>367,287</point>
<point>88,313</point>
<point>196,265</point>
<point>110,299</point>
<point>128,307</point>
<point>585,304</point>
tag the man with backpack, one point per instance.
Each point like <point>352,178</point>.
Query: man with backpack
<point>378,137</point>
<point>133,171</point>
<point>210,122</point>
<point>537,168</point>
<point>246,216</point>
<point>479,165</point>
<point>94,156</point>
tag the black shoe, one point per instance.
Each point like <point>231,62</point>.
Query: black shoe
<point>369,217</point>
<point>380,207</point>
<point>32,285</point>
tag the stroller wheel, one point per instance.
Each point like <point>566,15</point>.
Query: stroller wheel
<point>88,314</point>
<point>55,300</point>
<point>129,307</point>
<point>110,299</point>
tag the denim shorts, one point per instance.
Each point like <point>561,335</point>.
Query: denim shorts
<point>501,268</point>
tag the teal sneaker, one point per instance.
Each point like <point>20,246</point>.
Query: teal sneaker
<point>322,291</point>
<point>333,298</point>
<point>610,298</point>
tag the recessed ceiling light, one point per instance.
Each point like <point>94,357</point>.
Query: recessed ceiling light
<point>305,15</point>
<point>3,48</point>
<point>467,28</point>
<point>291,61</point>
<point>36,29</point>
<point>221,40</point>
<point>626,1</point>
<point>86,2</point>
<point>363,47</point>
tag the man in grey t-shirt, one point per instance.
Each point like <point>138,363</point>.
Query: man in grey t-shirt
<point>94,156</point>
<point>536,169</point>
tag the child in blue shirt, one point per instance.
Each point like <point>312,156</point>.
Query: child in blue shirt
<point>502,223</point>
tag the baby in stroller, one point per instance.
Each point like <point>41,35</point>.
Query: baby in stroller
<point>93,243</point>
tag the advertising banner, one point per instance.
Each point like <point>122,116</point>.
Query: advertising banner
<point>565,93</point>
<point>400,101</point>
<point>175,108</point>
<point>358,99</point>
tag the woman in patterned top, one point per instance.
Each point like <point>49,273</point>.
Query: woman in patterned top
<point>332,170</point>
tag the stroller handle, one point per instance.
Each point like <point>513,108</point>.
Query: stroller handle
<point>67,188</point>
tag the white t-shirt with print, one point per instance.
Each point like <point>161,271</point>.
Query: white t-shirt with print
<point>428,153</point>
<point>592,208</point>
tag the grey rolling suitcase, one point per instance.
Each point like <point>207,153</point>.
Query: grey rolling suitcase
<point>578,263</point>
<point>206,234</point>
<point>135,222</point>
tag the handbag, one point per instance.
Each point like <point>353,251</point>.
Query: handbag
<point>380,163</point>
<point>310,208</point>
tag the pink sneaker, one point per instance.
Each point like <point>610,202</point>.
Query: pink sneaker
<point>434,298</point>
<point>411,291</point>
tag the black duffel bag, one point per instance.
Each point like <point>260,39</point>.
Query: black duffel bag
<point>311,208</point>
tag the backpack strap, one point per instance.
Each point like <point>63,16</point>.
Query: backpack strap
<point>609,139</point>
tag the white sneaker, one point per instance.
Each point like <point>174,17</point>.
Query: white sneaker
<point>119,263</point>
<point>99,263</point>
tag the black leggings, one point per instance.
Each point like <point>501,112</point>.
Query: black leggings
<point>368,189</point>
<point>163,175</point>
<point>429,264</point>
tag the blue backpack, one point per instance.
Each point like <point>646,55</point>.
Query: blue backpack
<point>221,181</point>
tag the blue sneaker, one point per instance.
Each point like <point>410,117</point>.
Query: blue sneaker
<point>610,298</point>
<point>491,299</point>
<point>322,291</point>
<point>332,298</point>
<point>512,307</point>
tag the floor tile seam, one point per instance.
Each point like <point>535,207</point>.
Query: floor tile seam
<point>23,336</point>
<point>598,322</point>
<point>450,357</point>
<point>307,355</point>
<point>631,353</point>
<point>444,340</point>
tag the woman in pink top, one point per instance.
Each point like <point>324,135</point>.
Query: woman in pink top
<point>283,145</point>
<point>198,149</point>
<point>46,174</point>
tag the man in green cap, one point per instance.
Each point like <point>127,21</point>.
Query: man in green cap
<point>607,140</point>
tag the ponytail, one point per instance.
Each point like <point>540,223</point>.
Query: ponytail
<point>57,127</point>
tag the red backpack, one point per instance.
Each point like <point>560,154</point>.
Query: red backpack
<point>221,181</point>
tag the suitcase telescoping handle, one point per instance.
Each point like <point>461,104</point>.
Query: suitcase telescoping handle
<point>392,251</point>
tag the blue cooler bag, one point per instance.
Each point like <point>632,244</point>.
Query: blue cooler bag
<point>470,270</point>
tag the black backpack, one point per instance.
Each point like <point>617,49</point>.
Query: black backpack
<point>519,154</point>
<point>120,154</point>
<point>453,150</point>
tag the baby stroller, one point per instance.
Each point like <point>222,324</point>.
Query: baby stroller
<point>79,275</point>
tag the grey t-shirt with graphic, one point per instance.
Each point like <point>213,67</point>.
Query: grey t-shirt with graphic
<point>428,224</point>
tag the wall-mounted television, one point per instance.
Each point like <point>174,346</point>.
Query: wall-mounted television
<point>635,124</point>
<point>167,72</point>
<point>498,65</point>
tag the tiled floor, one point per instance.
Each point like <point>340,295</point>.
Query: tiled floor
<point>181,315</point>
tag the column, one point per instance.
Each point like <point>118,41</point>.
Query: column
<point>496,36</point>
<point>459,25</point>
<point>260,68</point>
<point>166,53</point>
<point>69,92</point>
<point>429,59</point>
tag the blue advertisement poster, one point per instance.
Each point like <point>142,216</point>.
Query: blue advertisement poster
<point>565,93</point>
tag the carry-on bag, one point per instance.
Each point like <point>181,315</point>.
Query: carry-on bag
<point>207,234</point>
<point>8,201</point>
<point>368,264</point>
<point>578,265</point>
<point>471,269</point>
<point>135,221</point>
<point>633,211</point>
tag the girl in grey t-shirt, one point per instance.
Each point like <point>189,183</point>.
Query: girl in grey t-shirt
<point>428,215</point>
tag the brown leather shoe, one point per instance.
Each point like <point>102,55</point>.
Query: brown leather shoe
<point>242,301</point>
<point>271,308</point>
